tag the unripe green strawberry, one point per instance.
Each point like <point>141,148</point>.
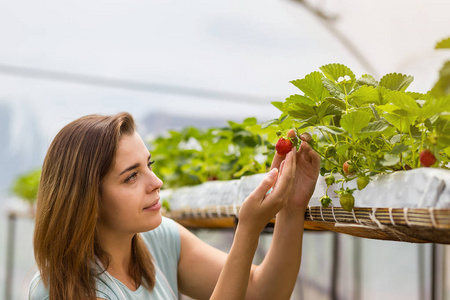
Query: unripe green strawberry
<point>283,146</point>
<point>347,201</point>
<point>325,201</point>
<point>362,182</point>
<point>427,158</point>
<point>348,168</point>
<point>433,138</point>
<point>329,179</point>
<point>330,152</point>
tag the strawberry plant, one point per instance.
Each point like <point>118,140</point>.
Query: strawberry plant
<point>362,126</point>
<point>191,156</point>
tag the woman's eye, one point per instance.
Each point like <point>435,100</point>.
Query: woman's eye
<point>150,163</point>
<point>131,177</point>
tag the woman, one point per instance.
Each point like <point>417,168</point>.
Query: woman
<point>99,233</point>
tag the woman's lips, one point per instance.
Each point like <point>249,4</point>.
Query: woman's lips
<point>153,207</point>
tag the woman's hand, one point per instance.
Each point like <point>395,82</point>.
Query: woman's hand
<point>259,207</point>
<point>306,173</point>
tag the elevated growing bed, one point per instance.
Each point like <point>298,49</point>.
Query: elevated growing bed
<point>408,206</point>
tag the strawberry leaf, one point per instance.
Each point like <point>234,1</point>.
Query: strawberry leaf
<point>404,102</point>
<point>354,121</point>
<point>278,104</point>
<point>331,129</point>
<point>333,88</point>
<point>365,94</point>
<point>443,44</point>
<point>368,80</point>
<point>300,99</point>
<point>312,86</point>
<point>442,86</point>
<point>340,74</point>
<point>377,126</point>
<point>390,160</point>
<point>396,81</point>
<point>337,102</point>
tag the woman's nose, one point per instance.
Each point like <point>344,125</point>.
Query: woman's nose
<point>153,182</point>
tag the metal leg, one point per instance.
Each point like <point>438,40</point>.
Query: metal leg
<point>334,266</point>
<point>357,268</point>
<point>10,256</point>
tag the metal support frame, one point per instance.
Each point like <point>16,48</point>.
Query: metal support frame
<point>10,255</point>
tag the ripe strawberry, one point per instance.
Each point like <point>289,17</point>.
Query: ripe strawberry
<point>427,158</point>
<point>291,134</point>
<point>362,182</point>
<point>349,168</point>
<point>283,146</point>
<point>347,201</point>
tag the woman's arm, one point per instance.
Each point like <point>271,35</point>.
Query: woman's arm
<point>200,264</point>
<point>275,277</point>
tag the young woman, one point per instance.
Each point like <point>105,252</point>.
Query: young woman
<point>99,233</point>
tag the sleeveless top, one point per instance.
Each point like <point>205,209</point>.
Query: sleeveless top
<point>163,243</point>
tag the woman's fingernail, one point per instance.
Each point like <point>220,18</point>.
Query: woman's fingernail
<point>273,172</point>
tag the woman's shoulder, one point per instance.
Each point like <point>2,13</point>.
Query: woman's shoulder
<point>164,239</point>
<point>37,289</point>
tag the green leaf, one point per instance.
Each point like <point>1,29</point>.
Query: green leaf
<point>300,110</point>
<point>442,86</point>
<point>403,101</point>
<point>365,94</point>
<point>377,126</point>
<point>327,109</point>
<point>331,129</point>
<point>400,148</point>
<point>390,160</point>
<point>399,122</point>
<point>396,81</point>
<point>312,86</point>
<point>354,121</point>
<point>333,88</point>
<point>435,106</point>
<point>367,80</point>
<point>337,102</point>
<point>26,185</point>
<point>336,72</point>
<point>300,99</point>
<point>268,123</point>
<point>278,105</point>
<point>442,44</point>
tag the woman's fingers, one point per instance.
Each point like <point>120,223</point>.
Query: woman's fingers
<point>286,177</point>
<point>277,159</point>
<point>261,190</point>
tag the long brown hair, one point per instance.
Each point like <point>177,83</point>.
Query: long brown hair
<point>65,236</point>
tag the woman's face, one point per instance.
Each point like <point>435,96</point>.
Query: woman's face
<point>130,192</point>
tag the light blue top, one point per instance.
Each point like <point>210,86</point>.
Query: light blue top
<point>164,245</point>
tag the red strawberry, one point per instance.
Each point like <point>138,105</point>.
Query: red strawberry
<point>291,134</point>
<point>348,167</point>
<point>427,158</point>
<point>283,146</point>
